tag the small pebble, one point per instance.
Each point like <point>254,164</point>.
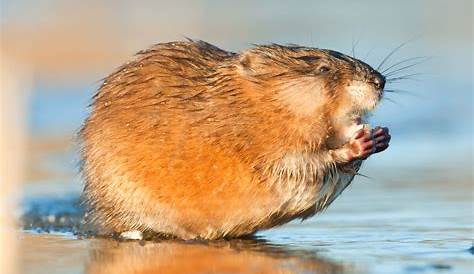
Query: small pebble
<point>441,266</point>
<point>471,250</point>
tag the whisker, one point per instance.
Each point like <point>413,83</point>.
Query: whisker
<point>398,91</point>
<point>354,45</point>
<point>392,101</point>
<point>365,176</point>
<point>402,91</point>
<point>369,52</point>
<point>401,69</point>
<point>393,52</point>
<point>404,77</point>
<point>390,55</point>
<point>424,58</point>
<point>401,78</point>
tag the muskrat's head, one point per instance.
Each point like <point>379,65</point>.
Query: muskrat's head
<point>310,81</point>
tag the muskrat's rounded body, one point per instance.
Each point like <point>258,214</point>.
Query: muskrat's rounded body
<point>191,141</point>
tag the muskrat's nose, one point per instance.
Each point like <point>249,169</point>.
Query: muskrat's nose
<point>378,81</point>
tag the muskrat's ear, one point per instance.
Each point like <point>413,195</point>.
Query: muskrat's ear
<point>248,63</point>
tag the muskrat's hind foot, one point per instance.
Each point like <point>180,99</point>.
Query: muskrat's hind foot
<point>132,235</point>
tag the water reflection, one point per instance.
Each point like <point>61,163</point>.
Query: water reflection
<point>99,255</point>
<point>110,256</point>
<point>237,256</point>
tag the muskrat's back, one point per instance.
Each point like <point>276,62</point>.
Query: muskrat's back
<point>179,144</point>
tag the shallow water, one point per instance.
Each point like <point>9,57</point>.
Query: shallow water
<point>376,226</point>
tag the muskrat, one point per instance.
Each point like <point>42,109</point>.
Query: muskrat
<point>190,141</point>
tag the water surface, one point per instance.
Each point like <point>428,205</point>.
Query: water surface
<point>388,226</point>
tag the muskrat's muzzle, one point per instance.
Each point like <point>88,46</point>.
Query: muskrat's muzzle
<point>378,80</point>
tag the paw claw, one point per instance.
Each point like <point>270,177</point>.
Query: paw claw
<point>365,143</point>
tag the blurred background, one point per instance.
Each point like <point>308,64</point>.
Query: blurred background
<point>54,54</point>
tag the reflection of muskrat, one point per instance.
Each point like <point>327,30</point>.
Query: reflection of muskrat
<point>242,256</point>
<point>191,141</point>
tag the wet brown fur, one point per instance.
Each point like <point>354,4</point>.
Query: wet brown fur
<point>192,141</point>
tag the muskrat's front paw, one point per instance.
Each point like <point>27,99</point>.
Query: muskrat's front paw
<point>381,137</point>
<point>365,143</point>
<point>360,145</point>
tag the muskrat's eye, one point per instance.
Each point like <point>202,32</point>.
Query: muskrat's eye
<point>324,69</point>
<point>308,59</point>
